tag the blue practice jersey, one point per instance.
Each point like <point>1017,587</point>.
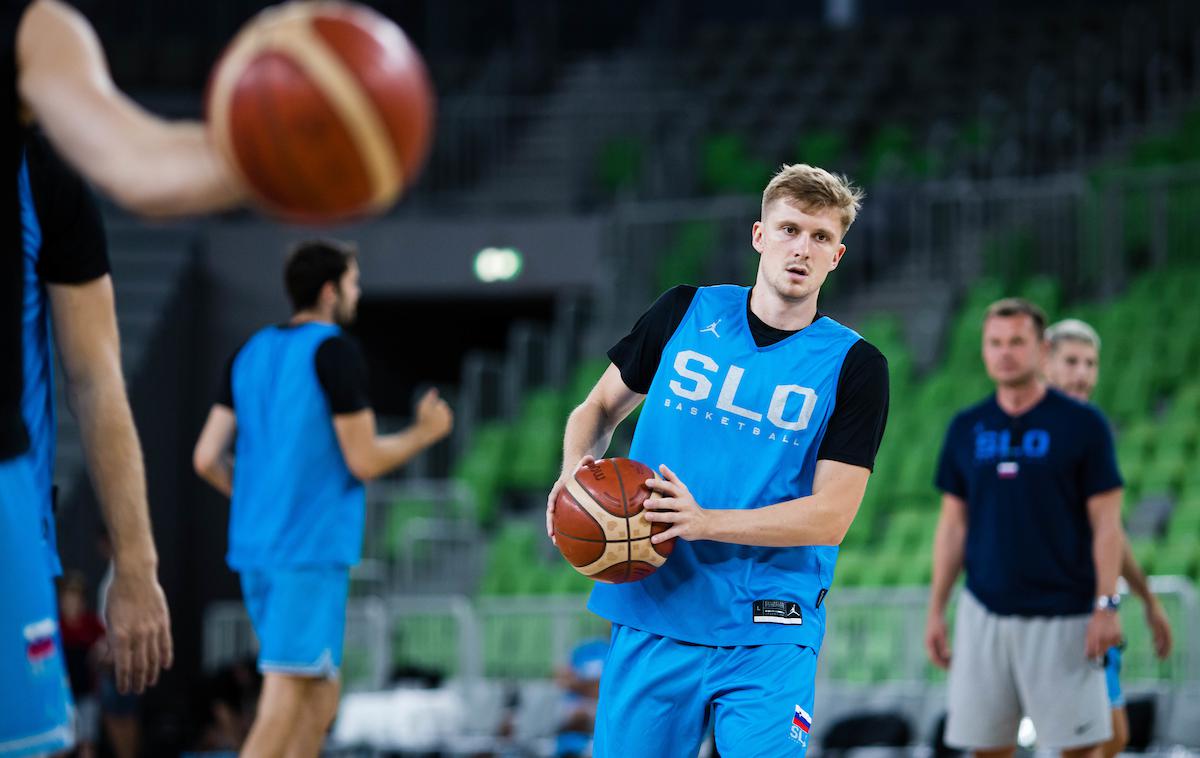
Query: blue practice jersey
<point>37,395</point>
<point>741,425</point>
<point>295,502</point>
<point>1026,481</point>
<point>62,242</point>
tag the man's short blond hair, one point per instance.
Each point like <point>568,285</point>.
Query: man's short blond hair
<point>1073,330</point>
<point>814,188</point>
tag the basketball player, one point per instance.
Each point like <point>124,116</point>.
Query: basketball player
<point>55,74</point>
<point>68,288</point>
<point>1031,509</point>
<point>763,416</point>
<point>295,399</point>
<point>1073,366</point>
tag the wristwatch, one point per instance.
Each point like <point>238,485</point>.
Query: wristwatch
<point>1108,603</point>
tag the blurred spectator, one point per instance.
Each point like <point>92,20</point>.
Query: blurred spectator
<point>83,643</point>
<point>227,701</point>
<point>119,712</point>
<point>580,681</point>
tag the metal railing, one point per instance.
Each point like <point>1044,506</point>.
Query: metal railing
<point>872,635</point>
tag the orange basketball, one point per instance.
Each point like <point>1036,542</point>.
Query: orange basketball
<point>323,108</point>
<point>600,527</point>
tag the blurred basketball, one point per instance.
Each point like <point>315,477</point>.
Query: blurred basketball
<point>600,527</point>
<point>324,109</point>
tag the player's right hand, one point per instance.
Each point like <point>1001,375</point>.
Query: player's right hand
<point>937,640</point>
<point>139,629</point>
<point>587,460</point>
<point>434,416</point>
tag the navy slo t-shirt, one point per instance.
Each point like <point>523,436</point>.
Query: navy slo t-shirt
<point>1026,481</point>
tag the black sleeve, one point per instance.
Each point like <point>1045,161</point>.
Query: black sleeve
<point>860,410</point>
<point>342,372</point>
<point>638,353</point>
<point>74,248</point>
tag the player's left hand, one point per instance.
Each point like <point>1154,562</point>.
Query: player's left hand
<point>139,629</point>
<point>1160,628</point>
<point>1103,632</point>
<point>671,503</point>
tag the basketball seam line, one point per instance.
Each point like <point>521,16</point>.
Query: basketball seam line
<point>628,526</point>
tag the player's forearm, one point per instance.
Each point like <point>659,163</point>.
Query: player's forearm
<point>589,431</point>
<point>820,519</point>
<point>176,171</point>
<point>391,451</point>
<point>114,461</point>
<point>219,475</point>
<point>948,546</point>
<point>1108,540</point>
<point>1134,576</point>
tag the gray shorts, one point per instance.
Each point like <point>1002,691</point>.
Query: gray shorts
<point>1003,667</point>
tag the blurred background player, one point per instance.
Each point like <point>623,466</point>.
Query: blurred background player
<point>779,456</point>
<point>56,76</point>
<point>294,406</point>
<point>1073,366</point>
<point>1037,614</point>
<point>580,682</point>
<point>83,647</point>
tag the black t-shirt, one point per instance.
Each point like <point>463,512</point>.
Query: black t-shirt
<point>341,370</point>
<point>13,438</point>
<point>860,411</point>
<point>1026,481</point>
<point>74,247</point>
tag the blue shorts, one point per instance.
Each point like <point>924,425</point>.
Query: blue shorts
<point>1112,676</point>
<point>35,699</point>
<point>299,615</point>
<point>657,696</point>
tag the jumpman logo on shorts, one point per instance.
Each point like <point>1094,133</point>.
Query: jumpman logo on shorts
<point>712,328</point>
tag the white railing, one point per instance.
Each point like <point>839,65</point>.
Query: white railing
<point>872,635</point>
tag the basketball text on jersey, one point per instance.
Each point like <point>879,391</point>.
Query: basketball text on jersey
<point>791,407</point>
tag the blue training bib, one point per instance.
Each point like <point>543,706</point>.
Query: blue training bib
<point>741,426</point>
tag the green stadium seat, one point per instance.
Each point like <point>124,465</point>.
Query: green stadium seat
<point>619,164</point>
<point>538,436</point>
<point>481,467</point>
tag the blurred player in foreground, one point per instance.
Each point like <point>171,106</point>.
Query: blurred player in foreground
<point>1031,509</point>
<point>55,75</point>
<point>1073,366</point>
<point>763,416</point>
<point>294,408</point>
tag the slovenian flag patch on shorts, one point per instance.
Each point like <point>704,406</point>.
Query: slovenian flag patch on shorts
<point>801,719</point>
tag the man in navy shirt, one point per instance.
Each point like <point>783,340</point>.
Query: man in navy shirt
<point>1073,366</point>
<point>1031,503</point>
<point>295,398</point>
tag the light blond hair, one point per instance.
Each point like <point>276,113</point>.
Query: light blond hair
<point>814,188</point>
<point>1074,330</point>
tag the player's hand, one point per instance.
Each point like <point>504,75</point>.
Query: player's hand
<point>937,640</point>
<point>1160,628</point>
<point>434,416</point>
<point>587,460</point>
<point>139,629</point>
<point>1103,632</point>
<point>671,503</point>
